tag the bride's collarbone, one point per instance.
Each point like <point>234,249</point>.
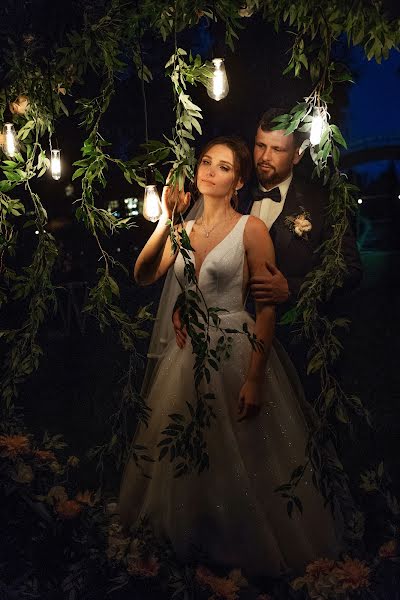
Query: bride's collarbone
<point>203,244</point>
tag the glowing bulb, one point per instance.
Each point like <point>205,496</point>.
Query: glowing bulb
<point>318,125</point>
<point>9,140</point>
<point>359,201</point>
<point>55,164</point>
<point>218,86</point>
<point>151,205</point>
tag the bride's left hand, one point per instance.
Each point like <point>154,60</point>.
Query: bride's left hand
<point>249,400</point>
<point>173,199</point>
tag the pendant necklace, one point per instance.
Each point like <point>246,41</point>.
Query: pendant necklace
<point>208,231</point>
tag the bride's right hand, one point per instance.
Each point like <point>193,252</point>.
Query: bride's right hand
<point>173,199</point>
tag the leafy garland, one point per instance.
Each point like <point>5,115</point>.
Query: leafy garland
<point>97,49</point>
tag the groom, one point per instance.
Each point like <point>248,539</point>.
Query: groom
<point>294,212</point>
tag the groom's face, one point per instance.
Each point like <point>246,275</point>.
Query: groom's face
<point>274,156</point>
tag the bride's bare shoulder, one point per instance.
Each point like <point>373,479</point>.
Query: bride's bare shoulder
<point>255,227</point>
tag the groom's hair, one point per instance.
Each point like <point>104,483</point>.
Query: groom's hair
<point>267,123</point>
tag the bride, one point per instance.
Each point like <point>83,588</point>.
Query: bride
<point>229,512</point>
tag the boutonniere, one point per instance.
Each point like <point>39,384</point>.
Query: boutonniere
<point>300,224</point>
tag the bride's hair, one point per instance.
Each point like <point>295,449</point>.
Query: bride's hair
<point>243,162</point>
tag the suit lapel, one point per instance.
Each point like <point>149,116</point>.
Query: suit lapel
<point>282,236</point>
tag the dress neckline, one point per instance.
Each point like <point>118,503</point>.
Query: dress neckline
<point>193,253</point>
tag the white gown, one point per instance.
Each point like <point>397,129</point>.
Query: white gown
<point>230,513</point>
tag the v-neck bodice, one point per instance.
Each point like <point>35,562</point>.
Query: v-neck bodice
<point>220,276</point>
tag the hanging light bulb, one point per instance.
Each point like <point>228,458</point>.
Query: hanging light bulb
<point>151,204</point>
<point>318,125</point>
<point>218,86</point>
<point>55,164</point>
<point>10,143</point>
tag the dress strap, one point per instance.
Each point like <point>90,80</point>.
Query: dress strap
<point>240,227</point>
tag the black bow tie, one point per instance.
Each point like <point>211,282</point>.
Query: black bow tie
<point>274,194</point>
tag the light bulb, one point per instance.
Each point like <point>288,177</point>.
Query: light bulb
<point>318,125</point>
<point>218,86</point>
<point>10,144</point>
<point>151,204</point>
<point>55,164</point>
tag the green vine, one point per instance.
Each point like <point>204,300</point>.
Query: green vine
<point>108,41</point>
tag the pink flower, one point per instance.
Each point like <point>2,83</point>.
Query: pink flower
<point>353,574</point>
<point>389,549</point>
<point>221,587</point>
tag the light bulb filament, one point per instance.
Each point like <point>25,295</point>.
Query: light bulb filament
<point>55,164</point>
<point>10,141</point>
<point>318,125</point>
<point>218,86</point>
<point>151,205</point>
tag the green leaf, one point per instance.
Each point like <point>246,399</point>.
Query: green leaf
<point>163,452</point>
<point>78,173</point>
<point>337,136</point>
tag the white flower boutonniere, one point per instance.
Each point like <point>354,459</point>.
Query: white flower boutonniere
<point>300,224</point>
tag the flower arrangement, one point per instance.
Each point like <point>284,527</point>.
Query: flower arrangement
<point>300,224</point>
<point>222,587</point>
<point>12,446</point>
<point>389,550</point>
<point>327,579</point>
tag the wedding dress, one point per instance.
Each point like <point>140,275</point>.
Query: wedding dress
<point>230,512</point>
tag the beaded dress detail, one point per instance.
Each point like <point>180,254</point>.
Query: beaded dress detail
<point>230,514</point>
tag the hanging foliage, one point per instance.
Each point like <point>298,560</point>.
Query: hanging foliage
<point>43,80</point>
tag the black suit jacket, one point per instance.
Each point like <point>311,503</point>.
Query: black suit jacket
<point>296,256</point>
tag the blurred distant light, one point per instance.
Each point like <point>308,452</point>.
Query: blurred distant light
<point>132,206</point>
<point>118,249</point>
<point>360,201</point>
<point>398,196</point>
<point>69,190</point>
<point>37,232</point>
<point>113,208</point>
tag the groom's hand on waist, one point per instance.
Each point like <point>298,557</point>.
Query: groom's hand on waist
<point>271,287</point>
<point>180,331</point>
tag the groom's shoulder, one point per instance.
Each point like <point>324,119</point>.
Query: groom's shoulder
<point>310,191</point>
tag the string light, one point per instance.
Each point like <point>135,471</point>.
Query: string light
<point>360,201</point>
<point>152,204</point>
<point>10,144</point>
<point>318,125</point>
<point>218,86</point>
<point>55,164</point>
<point>55,153</point>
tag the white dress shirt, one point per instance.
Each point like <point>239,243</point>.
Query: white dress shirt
<point>268,210</point>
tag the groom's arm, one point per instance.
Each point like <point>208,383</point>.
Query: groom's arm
<point>272,286</point>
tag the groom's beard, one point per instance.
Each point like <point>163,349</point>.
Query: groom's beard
<point>267,175</point>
